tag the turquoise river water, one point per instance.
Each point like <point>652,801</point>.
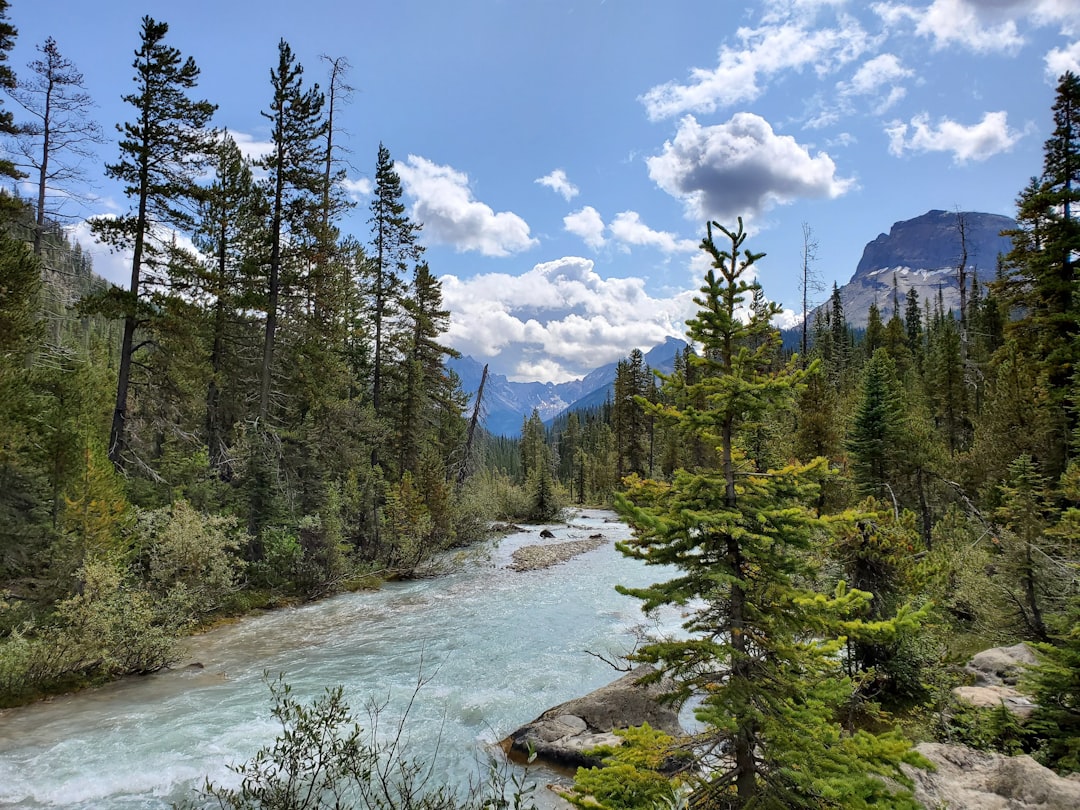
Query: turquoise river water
<point>497,647</point>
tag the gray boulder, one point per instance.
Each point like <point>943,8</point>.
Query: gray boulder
<point>1000,666</point>
<point>966,779</point>
<point>996,673</point>
<point>562,735</point>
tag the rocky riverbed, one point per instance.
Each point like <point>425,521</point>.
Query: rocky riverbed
<point>530,558</point>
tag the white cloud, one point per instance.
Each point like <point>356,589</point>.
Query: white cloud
<point>558,182</point>
<point>559,320</point>
<point>762,53</point>
<point>1061,60</point>
<point>357,189</point>
<point>740,168</point>
<point>628,228</point>
<point>981,26</point>
<point>883,69</point>
<point>588,224</point>
<point>976,142</point>
<point>114,266</point>
<point>445,205</point>
<point>251,148</point>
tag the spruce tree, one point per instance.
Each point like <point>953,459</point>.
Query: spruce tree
<point>1040,282</point>
<point>761,652</point>
<point>162,153</point>
<point>394,246</point>
<point>231,232</point>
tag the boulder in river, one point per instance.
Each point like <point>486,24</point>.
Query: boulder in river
<point>562,735</point>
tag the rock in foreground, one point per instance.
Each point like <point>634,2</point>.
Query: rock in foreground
<point>979,780</point>
<point>562,735</point>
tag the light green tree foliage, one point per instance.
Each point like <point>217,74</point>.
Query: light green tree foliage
<point>191,554</point>
<point>762,650</point>
<point>631,774</point>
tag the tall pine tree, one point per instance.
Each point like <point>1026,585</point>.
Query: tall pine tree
<point>162,153</point>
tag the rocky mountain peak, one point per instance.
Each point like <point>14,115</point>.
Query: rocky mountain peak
<point>924,253</point>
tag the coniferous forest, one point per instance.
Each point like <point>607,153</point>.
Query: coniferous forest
<point>263,416</point>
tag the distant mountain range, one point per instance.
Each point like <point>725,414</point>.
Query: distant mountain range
<point>507,403</point>
<point>922,253</point>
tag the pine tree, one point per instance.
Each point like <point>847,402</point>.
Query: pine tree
<point>761,654</point>
<point>394,246</point>
<point>161,155</point>
<point>231,231</point>
<point>294,186</point>
<point>55,142</point>
<point>875,437</point>
<point>8,82</point>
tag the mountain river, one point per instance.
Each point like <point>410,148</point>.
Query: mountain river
<point>496,647</point>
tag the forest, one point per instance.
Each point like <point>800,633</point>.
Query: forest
<point>264,417</point>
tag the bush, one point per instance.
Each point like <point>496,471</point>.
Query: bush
<point>323,759</point>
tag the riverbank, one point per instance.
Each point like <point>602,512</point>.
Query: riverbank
<point>493,646</point>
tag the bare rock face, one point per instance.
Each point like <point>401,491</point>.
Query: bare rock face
<point>563,734</point>
<point>966,779</point>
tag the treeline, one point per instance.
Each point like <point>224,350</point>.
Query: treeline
<point>263,414</point>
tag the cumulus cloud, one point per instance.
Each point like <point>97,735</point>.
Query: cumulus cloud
<point>884,69</point>
<point>981,26</point>
<point>559,320</point>
<point>742,168</point>
<point>249,147</point>
<point>357,189</point>
<point>588,224</point>
<point>1062,60</point>
<point>444,202</point>
<point>976,142</point>
<point>628,229</point>
<point>558,182</point>
<point>761,53</point>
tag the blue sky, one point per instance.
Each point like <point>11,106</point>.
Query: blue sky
<point>564,155</point>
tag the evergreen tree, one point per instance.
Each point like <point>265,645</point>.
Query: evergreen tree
<point>8,82</point>
<point>875,438</point>
<point>762,650</point>
<point>1040,283</point>
<point>230,233</point>
<point>162,153</point>
<point>294,185</point>
<point>394,246</point>
<point>56,140</point>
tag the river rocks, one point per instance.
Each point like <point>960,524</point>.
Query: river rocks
<point>529,558</point>
<point>563,734</point>
<point>965,779</point>
<point>996,672</point>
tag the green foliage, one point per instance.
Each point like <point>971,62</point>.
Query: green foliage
<point>322,759</point>
<point>762,650</point>
<point>986,729</point>
<point>193,552</point>
<point>108,628</point>
<point>1054,685</point>
<point>631,776</point>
